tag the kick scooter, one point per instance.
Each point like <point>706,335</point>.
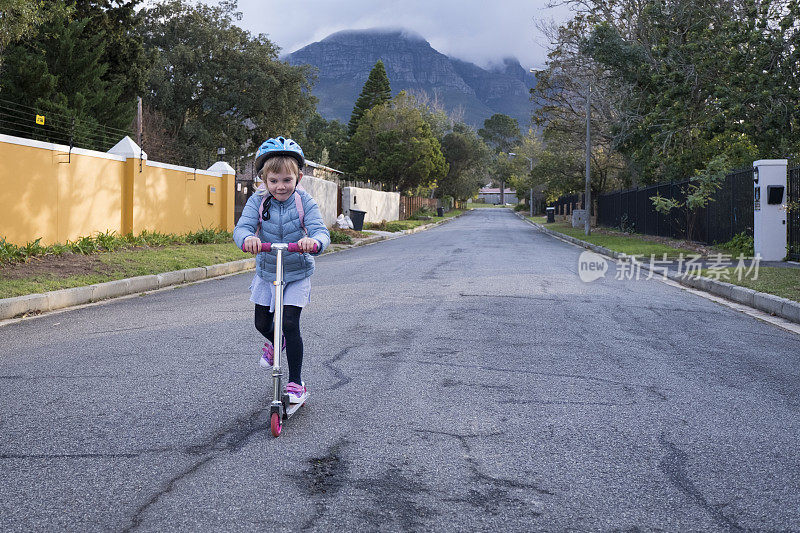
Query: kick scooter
<point>280,408</point>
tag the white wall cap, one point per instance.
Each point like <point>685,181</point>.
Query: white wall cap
<point>221,167</point>
<point>323,167</point>
<point>128,149</point>
<point>771,163</point>
<point>187,170</point>
<point>58,147</point>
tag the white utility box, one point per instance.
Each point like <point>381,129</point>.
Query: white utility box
<point>769,209</point>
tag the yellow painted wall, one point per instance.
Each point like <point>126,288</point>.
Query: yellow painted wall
<point>43,195</point>
<point>172,201</point>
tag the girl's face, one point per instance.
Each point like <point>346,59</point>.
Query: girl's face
<point>281,184</point>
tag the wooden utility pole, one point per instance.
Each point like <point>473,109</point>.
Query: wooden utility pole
<point>139,121</point>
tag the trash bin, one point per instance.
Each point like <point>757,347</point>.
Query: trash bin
<point>551,214</point>
<point>440,211</point>
<point>358,219</point>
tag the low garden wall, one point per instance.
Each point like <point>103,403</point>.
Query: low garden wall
<point>324,193</point>
<point>377,205</point>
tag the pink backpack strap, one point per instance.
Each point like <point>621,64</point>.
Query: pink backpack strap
<point>260,215</point>
<point>298,203</point>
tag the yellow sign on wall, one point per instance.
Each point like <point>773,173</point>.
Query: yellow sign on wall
<point>40,120</point>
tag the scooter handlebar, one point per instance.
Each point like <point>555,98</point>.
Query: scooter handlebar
<point>291,247</point>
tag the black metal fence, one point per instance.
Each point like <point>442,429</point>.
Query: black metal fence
<point>565,204</point>
<point>729,212</point>
<point>793,215</point>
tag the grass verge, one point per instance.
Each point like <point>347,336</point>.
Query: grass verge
<point>109,266</point>
<point>402,225</point>
<point>478,204</point>
<point>783,282</point>
<point>627,244</point>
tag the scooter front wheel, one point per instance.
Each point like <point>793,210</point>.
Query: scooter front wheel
<point>275,424</point>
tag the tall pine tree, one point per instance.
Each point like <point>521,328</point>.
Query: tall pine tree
<point>376,91</point>
<point>60,72</point>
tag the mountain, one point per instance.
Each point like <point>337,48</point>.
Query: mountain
<point>344,60</point>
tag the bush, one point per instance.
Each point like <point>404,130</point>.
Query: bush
<point>520,207</point>
<point>206,236</point>
<point>393,226</point>
<point>108,242</point>
<point>396,226</point>
<point>447,202</point>
<point>740,244</point>
<point>340,237</point>
<point>625,226</point>
<point>423,213</point>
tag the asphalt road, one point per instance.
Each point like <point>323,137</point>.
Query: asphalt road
<point>462,378</point>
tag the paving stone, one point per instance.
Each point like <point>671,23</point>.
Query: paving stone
<point>194,274</point>
<point>743,295</point>
<point>791,311</point>
<point>69,297</point>
<point>20,305</point>
<point>143,283</point>
<point>110,289</point>
<point>769,303</point>
<point>168,279</point>
<point>720,288</point>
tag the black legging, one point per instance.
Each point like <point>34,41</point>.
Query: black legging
<point>291,332</point>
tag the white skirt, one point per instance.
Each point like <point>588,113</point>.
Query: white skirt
<point>297,293</point>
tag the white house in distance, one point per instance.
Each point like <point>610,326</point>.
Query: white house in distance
<point>491,195</point>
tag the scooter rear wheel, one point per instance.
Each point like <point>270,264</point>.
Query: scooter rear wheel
<point>275,424</point>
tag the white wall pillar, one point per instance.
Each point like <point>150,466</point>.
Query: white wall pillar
<point>769,208</point>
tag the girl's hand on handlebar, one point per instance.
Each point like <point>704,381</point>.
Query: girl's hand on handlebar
<point>252,244</point>
<point>307,244</point>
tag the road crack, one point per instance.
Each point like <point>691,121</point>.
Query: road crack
<point>138,516</point>
<point>674,465</point>
<point>342,379</point>
<point>228,439</point>
<point>494,493</point>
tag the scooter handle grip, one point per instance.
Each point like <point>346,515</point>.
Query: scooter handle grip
<point>292,247</point>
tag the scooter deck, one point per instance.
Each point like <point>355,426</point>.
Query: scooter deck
<point>293,407</point>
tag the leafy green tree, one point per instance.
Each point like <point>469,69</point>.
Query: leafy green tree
<point>501,132</point>
<point>395,145</point>
<point>21,18</point>
<point>527,153</point>
<point>213,84</point>
<point>61,72</point>
<point>468,159</point>
<point>376,91</point>
<point>323,141</point>
<point>123,53</point>
<point>699,193</point>
<point>676,83</point>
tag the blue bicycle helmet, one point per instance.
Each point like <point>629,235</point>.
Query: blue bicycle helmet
<point>278,146</point>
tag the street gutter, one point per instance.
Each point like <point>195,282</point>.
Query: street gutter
<point>30,305</point>
<point>762,301</point>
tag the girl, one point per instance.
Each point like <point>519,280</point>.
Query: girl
<point>280,212</point>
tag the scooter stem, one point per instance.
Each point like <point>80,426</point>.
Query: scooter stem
<point>277,343</point>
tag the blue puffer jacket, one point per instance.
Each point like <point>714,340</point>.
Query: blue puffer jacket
<point>283,226</point>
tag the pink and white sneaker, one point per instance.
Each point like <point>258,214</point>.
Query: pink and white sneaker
<point>297,393</point>
<point>268,354</point>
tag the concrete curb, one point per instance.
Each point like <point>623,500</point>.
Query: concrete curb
<point>51,301</point>
<point>768,303</point>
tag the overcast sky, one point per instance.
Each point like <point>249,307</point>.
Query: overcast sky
<point>480,31</point>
